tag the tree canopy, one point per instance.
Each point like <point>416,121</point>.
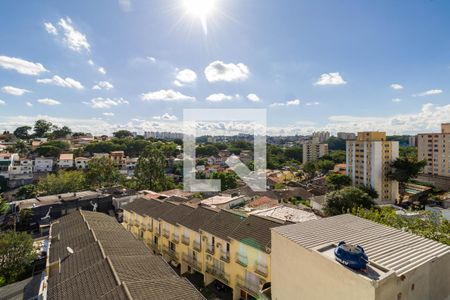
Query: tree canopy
<point>150,170</point>
<point>103,172</point>
<point>335,181</point>
<point>228,180</point>
<point>403,169</point>
<point>335,143</point>
<point>41,127</point>
<point>342,201</point>
<point>123,134</point>
<point>62,182</point>
<point>22,132</point>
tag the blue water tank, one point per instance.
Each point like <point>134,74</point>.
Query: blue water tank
<point>352,256</point>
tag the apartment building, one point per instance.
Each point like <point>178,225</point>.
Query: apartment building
<point>81,163</point>
<point>66,160</point>
<point>21,172</point>
<point>313,150</point>
<point>368,163</point>
<point>346,135</point>
<point>401,265</point>
<point>43,164</point>
<point>322,136</point>
<point>118,157</point>
<point>435,149</point>
<point>7,162</point>
<point>217,244</point>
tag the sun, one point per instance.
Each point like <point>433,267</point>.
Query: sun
<point>200,9</point>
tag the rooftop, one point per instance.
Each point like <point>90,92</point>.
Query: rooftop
<point>388,247</point>
<point>66,156</point>
<point>286,213</point>
<point>219,199</point>
<point>47,200</point>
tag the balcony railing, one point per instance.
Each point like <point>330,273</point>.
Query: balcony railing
<point>249,287</point>
<point>166,233</point>
<point>149,227</point>
<point>155,247</point>
<point>185,240</point>
<point>218,273</point>
<point>171,253</point>
<point>225,257</point>
<point>157,232</point>
<point>242,260</point>
<point>193,262</point>
<point>197,246</point>
<point>210,249</point>
<point>261,269</point>
<point>175,238</point>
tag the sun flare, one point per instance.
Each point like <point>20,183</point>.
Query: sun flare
<point>200,9</point>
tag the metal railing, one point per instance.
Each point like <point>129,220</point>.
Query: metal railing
<point>193,262</point>
<point>218,273</point>
<point>210,249</point>
<point>175,238</point>
<point>171,253</point>
<point>197,246</point>
<point>249,287</point>
<point>262,270</point>
<point>225,256</point>
<point>242,260</point>
<point>166,233</point>
<point>185,240</point>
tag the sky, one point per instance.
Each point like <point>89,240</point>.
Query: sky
<point>336,65</point>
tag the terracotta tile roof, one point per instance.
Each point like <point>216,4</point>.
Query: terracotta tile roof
<point>66,156</point>
<point>262,201</point>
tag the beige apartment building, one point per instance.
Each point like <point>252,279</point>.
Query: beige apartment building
<point>435,149</point>
<point>313,150</point>
<point>368,163</point>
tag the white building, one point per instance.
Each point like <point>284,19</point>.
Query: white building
<point>22,169</point>
<point>223,201</point>
<point>6,163</point>
<point>43,164</point>
<point>313,150</point>
<point>81,163</point>
<point>66,160</point>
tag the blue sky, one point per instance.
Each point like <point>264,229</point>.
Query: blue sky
<point>335,65</point>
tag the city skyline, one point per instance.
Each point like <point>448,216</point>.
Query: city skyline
<point>136,65</point>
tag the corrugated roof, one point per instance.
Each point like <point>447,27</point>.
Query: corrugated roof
<point>386,246</point>
<point>199,217</point>
<point>223,224</point>
<point>177,214</point>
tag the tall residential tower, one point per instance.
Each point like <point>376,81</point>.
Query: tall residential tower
<point>435,149</point>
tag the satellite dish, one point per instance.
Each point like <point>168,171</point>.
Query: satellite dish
<point>70,250</point>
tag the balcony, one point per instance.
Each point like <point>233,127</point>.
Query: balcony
<point>166,233</point>
<point>185,240</point>
<point>247,286</point>
<point>197,246</point>
<point>218,274</point>
<point>171,253</point>
<point>261,270</point>
<point>175,238</point>
<point>210,249</point>
<point>242,260</point>
<point>149,227</point>
<point>225,257</point>
<point>155,247</point>
<point>157,232</point>
<point>193,262</point>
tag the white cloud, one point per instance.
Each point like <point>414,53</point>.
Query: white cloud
<point>58,81</point>
<point>108,114</point>
<point>253,97</point>
<point>91,62</point>
<point>48,101</point>
<point>429,93</point>
<point>312,103</point>
<point>186,76</point>
<point>396,86</point>
<point>151,59</point>
<point>220,71</point>
<point>21,66</point>
<point>101,70</point>
<point>221,97</point>
<point>166,117</point>
<point>73,39</point>
<point>14,90</point>
<point>106,102</point>
<point>333,78</point>
<point>294,102</point>
<point>396,100</point>
<point>50,28</point>
<point>103,85</point>
<point>125,5</point>
<point>166,95</point>
<point>29,104</point>
<point>2,102</point>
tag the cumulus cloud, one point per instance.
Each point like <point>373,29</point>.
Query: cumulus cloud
<point>253,97</point>
<point>73,39</point>
<point>21,66</point>
<point>103,85</point>
<point>396,86</point>
<point>184,77</point>
<point>333,78</point>
<point>151,59</point>
<point>166,95</point>
<point>396,100</point>
<point>100,102</point>
<point>429,93</point>
<point>29,104</point>
<point>220,71</point>
<point>91,62</point>
<point>62,82</point>
<point>294,102</point>
<point>221,97</point>
<point>108,114</point>
<point>2,102</point>
<point>48,101</point>
<point>166,117</point>
<point>101,70</point>
<point>14,90</point>
<point>50,28</point>
<point>312,103</point>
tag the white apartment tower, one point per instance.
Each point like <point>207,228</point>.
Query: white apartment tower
<point>435,149</point>
<point>368,163</point>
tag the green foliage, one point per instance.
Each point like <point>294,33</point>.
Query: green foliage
<point>404,169</point>
<point>3,205</point>
<point>369,190</point>
<point>26,192</point>
<point>149,170</point>
<point>342,201</point>
<point>279,186</point>
<point>41,127</point>
<point>228,180</point>
<point>22,132</point>
<point>122,134</point>
<point>338,156</point>
<point>21,148</point>
<point>62,182</point>
<point>337,181</point>
<point>169,149</point>
<point>104,147</point>
<point>103,172</point>
<point>426,225</point>
<point>3,184</point>
<point>61,132</point>
<point>324,165</point>
<point>16,255</point>
<point>52,148</point>
<point>206,150</point>
<point>408,152</point>
<point>310,168</point>
<point>335,143</point>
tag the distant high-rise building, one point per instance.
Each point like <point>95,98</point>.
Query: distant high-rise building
<point>368,163</point>
<point>321,135</point>
<point>313,150</point>
<point>412,142</point>
<point>346,135</point>
<point>435,149</point>
<point>163,135</point>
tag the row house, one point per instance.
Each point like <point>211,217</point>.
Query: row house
<point>66,161</point>
<point>7,162</point>
<point>43,164</point>
<point>81,163</point>
<point>220,245</point>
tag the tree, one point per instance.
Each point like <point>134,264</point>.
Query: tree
<point>16,255</point>
<point>324,165</point>
<point>228,180</point>
<point>150,168</point>
<point>295,153</point>
<point>342,201</point>
<point>404,169</point>
<point>3,184</point>
<point>310,169</point>
<point>61,132</point>
<point>338,156</point>
<point>103,172</point>
<point>41,127</point>
<point>408,152</point>
<point>122,134</point>
<point>3,205</point>
<point>369,190</point>
<point>336,181</point>
<point>22,132</point>
<point>52,148</point>
<point>21,148</point>
<point>335,143</point>
<point>207,150</point>
<point>62,182</point>
<point>26,192</point>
